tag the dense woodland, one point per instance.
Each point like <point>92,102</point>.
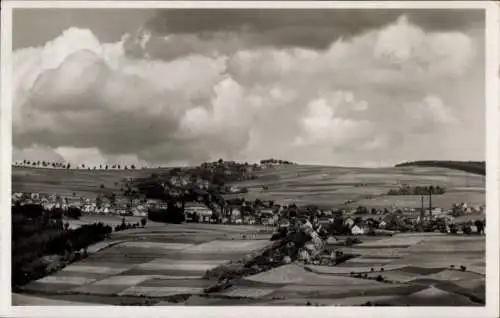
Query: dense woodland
<point>38,233</point>
<point>477,167</point>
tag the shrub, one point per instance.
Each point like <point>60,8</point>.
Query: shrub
<point>74,213</point>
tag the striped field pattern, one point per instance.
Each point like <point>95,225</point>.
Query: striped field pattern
<point>150,267</point>
<point>174,265</point>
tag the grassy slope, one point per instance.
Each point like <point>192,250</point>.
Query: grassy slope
<point>329,186</point>
<point>64,182</point>
<point>332,186</point>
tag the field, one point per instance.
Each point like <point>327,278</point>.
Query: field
<point>163,264</point>
<point>333,186</point>
<point>323,186</point>
<point>84,183</point>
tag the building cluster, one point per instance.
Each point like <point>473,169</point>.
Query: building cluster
<point>99,205</point>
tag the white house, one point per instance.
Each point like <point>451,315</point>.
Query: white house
<point>382,225</point>
<point>250,220</point>
<point>356,230</point>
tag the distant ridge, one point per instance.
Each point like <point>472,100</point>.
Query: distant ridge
<point>476,167</point>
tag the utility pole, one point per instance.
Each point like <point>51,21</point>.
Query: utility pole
<point>430,201</point>
<point>422,211</point>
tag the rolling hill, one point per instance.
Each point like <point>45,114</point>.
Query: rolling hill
<point>477,167</point>
<point>333,186</point>
<point>300,184</point>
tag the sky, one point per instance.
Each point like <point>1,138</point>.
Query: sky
<point>348,87</point>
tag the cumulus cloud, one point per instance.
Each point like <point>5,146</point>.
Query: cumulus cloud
<point>194,97</point>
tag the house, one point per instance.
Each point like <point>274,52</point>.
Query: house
<point>382,224</point>
<point>234,211</point>
<point>283,223</point>
<point>437,211</point>
<point>357,230</point>
<point>88,209</point>
<point>251,221</point>
<point>122,211</point>
<point>267,221</point>
<point>266,213</point>
<point>198,208</point>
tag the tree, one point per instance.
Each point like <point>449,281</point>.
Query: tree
<point>480,226</point>
<point>143,222</point>
<point>101,186</point>
<point>74,212</point>
<point>132,167</point>
<point>98,202</point>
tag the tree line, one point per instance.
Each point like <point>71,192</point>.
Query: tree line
<point>418,190</point>
<point>37,233</point>
<point>276,161</point>
<point>61,165</point>
<point>476,167</point>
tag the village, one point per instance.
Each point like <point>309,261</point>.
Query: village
<point>359,221</point>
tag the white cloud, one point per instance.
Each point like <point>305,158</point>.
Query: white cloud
<point>96,102</point>
<point>428,111</point>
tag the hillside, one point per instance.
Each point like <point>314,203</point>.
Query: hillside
<point>64,182</point>
<point>333,186</point>
<point>477,167</point>
<point>300,184</point>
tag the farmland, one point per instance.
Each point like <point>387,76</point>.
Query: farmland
<point>139,269</point>
<point>164,264</point>
<point>300,184</point>
<point>333,186</point>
